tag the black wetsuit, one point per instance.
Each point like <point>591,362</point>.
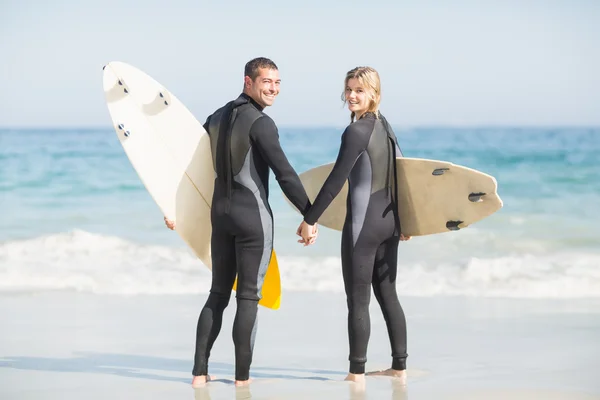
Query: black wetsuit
<point>245,144</point>
<point>371,233</point>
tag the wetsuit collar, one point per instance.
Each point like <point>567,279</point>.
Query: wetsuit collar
<point>250,100</point>
<point>368,114</point>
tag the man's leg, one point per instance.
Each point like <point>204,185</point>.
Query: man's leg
<point>211,316</point>
<point>253,253</point>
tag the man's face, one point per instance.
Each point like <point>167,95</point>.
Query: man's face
<point>265,87</point>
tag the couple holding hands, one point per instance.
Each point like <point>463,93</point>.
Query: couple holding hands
<point>245,147</point>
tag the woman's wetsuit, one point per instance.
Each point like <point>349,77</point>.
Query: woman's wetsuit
<point>371,232</point>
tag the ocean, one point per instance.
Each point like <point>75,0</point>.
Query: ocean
<point>77,218</point>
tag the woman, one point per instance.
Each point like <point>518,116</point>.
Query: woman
<point>371,230</point>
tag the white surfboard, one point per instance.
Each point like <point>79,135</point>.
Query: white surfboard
<point>434,196</point>
<point>170,151</point>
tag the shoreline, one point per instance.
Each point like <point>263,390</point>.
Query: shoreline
<point>61,345</point>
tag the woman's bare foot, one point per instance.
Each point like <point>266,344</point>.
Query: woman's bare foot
<point>201,380</point>
<point>358,390</point>
<point>394,373</point>
<point>243,383</point>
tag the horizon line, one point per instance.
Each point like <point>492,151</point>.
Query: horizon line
<point>332,126</point>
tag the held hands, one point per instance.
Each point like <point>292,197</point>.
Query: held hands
<point>308,233</point>
<point>170,224</point>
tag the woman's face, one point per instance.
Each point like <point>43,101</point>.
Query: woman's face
<point>356,97</point>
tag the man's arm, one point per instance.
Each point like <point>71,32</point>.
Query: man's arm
<point>266,138</point>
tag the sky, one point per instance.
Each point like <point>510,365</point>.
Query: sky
<point>442,63</point>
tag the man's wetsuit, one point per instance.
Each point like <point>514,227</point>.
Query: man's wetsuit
<point>245,144</point>
<point>371,233</point>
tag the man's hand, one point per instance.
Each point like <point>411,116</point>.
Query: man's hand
<point>404,238</point>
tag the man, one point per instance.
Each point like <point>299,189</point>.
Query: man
<point>245,145</point>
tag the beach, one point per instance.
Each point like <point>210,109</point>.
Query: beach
<point>72,345</point>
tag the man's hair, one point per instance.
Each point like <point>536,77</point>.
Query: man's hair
<point>253,65</point>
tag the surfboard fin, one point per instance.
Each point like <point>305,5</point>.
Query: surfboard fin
<point>453,225</point>
<point>117,92</point>
<point>476,197</point>
<point>122,129</point>
<point>159,104</point>
<point>439,171</point>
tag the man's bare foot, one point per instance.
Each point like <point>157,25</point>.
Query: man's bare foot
<point>243,383</point>
<point>358,378</point>
<point>201,380</point>
<point>394,373</point>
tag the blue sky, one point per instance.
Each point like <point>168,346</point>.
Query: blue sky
<point>453,63</point>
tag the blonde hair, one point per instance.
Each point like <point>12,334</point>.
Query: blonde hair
<point>368,78</point>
